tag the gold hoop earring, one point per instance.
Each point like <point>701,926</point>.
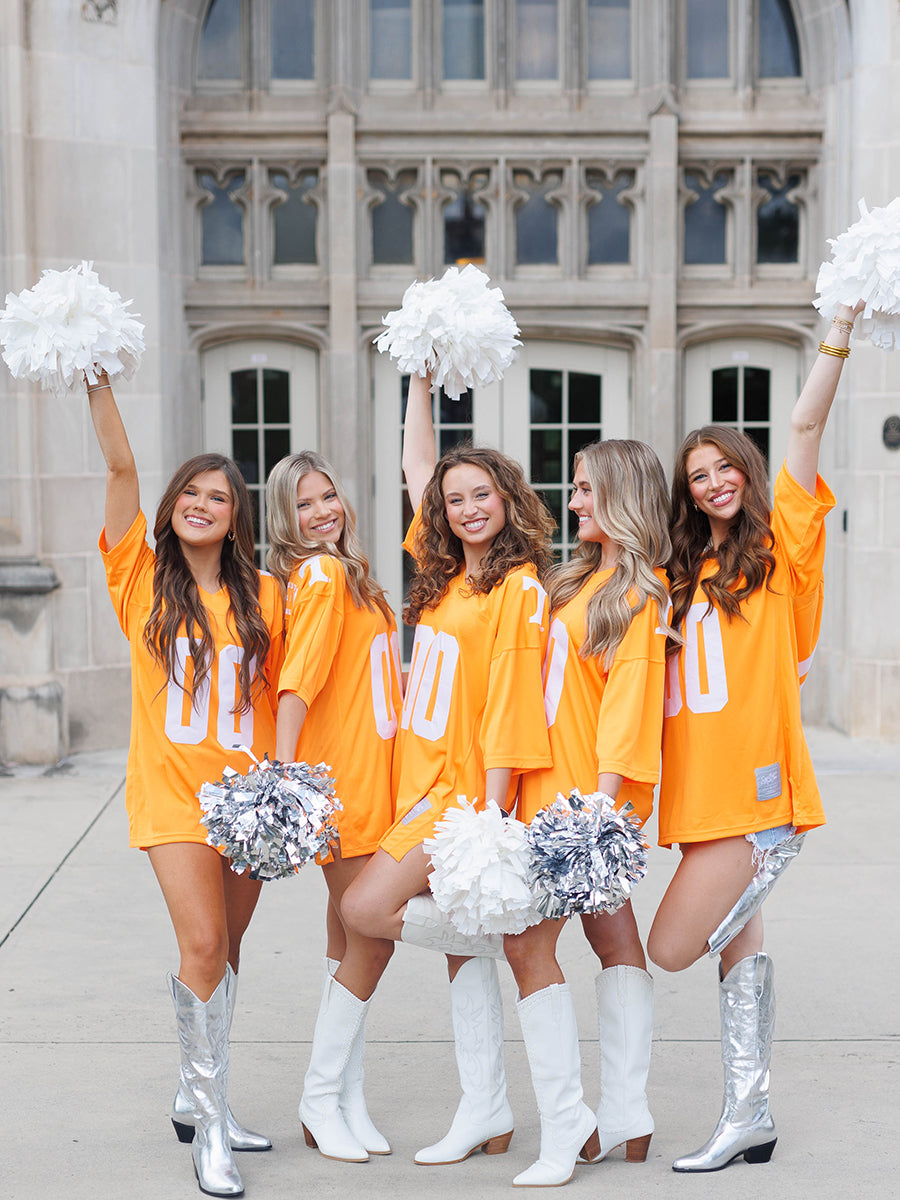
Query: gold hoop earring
<point>231,535</point>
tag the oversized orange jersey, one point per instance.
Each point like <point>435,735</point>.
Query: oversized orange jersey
<point>473,701</point>
<point>176,745</point>
<point>344,664</point>
<point>601,720</point>
<point>734,756</point>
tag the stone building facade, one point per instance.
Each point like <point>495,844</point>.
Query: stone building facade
<point>651,182</point>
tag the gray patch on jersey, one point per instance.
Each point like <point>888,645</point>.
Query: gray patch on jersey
<point>768,782</point>
<point>416,811</point>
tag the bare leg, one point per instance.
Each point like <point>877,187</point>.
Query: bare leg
<point>708,882</point>
<point>335,938</point>
<point>241,896</point>
<point>190,875</point>
<point>532,957</point>
<point>614,938</point>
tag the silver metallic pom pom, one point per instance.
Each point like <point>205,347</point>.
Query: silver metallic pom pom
<point>272,820</point>
<point>586,855</point>
<point>479,874</point>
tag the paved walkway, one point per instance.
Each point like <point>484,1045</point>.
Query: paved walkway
<point>88,1059</point>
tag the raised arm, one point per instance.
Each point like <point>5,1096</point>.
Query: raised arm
<point>814,403</point>
<point>419,454</point>
<point>122,492</point>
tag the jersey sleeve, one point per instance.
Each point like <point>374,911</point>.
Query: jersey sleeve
<point>798,522</point>
<point>514,727</point>
<point>629,726</point>
<point>314,618</point>
<point>415,525</point>
<point>129,572</point>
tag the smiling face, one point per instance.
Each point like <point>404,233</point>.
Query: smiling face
<point>716,486</point>
<point>320,514</point>
<point>204,510</point>
<point>475,509</point>
<point>582,504</point>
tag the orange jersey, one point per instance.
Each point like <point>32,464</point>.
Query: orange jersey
<point>601,720</point>
<point>344,664</point>
<point>176,745</point>
<point>734,756</point>
<point>473,701</point>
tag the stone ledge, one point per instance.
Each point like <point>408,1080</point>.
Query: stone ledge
<point>26,576</point>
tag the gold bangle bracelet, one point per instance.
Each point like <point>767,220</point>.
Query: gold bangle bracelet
<point>98,387</point>
<point>836,351</point>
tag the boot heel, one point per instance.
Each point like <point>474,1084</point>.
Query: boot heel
<point>499,1144</point>
<point>636,1148</point>
<point>591,1148</point>
<point>308,1137</point>
<point>184,1133</point>
<point>760,1154</point>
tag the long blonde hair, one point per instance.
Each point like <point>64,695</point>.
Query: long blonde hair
<point>629,493</point>
<point>288,546</point>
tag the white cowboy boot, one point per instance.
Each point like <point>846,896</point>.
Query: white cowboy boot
<point>352,1101</point>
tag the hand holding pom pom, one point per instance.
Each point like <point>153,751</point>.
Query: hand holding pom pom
<point>866,266</point>
<point>272,820</point>
<point>586,855</point>
<point>68,326</point>
<point>456,327</point>
<point>480,870</point>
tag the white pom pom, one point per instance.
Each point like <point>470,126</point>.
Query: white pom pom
<point>480,875</point>
<point>456,327</point>
<point>866,266</point>
<point>67,326</point>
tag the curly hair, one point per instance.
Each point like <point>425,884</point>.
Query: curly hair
<point>176,597</point>
<point>523,540</point>
<point>288,546</point>
<point>631,505</point>
<point>745,557</point>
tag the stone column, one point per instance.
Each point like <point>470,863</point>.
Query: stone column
<point>32,708</point>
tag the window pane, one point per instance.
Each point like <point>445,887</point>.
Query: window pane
<point>777,222</point>
<point>293,30</point>
<point>390,39</point>
<point>537,39</point>
<point>536,218</point>
<point>392,219</point>
<point>761,437</point>
<point>222,221</point>
<point>553,498</point>
<point>705,221</point>
<point>546,397</point>
<point>220,42</point>
<point>456,412</point>
<point>276,396</point>
<point>578,439</point>
<point>245,450</point>
<point>725,395</point>
<point>707,39</point>
<point>546,455</point>
<point>584,399</point>
<point>294,219</point>
<point>609,39</point>
<point>278,444</point>
<point>756,394</point>
<point>779,50</point>
<point>244,406</point>
<point>464,217</point>
<point>462,39</point>
<point>609,220</point>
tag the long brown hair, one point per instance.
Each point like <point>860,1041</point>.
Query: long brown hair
<point>523,540</point>
<point>176,597</point>
<point>630,503</point>
<point>745,557</point>
<point>288,546</point>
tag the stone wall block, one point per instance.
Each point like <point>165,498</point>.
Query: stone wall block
<point>32,723</point>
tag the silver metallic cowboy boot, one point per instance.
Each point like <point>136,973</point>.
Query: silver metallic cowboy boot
<point>203,1035</point>
<point>483,1119</point>
<point>747,1007</point>
<point>183,1108</point>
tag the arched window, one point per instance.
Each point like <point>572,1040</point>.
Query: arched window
<point>255,43</point>
<point>779,48</point>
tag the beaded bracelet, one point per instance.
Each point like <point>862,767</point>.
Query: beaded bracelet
<point>836,351</point>
<point>97,387</point>
<point>843,324</point>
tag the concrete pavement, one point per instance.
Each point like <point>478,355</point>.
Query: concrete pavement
<point>89,1060</point>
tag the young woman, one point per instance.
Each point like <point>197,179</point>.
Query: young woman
<point>338,702</point>
<point>205,632</point>
<point>604,684</point>
<point>738,789</point>
<point>473,720</point>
